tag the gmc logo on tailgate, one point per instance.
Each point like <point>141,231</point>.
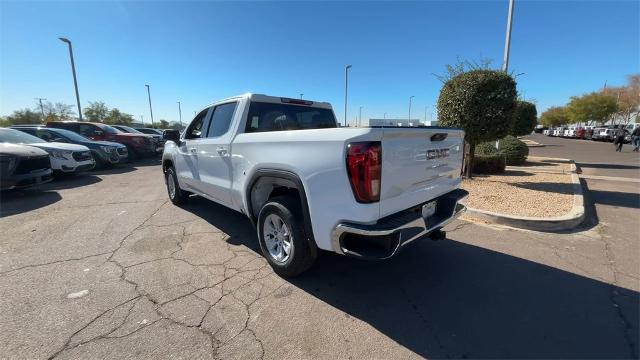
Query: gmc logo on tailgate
<point>437,153</point>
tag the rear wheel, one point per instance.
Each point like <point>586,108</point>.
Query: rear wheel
<point>282,237</point>
<point>176,195</point>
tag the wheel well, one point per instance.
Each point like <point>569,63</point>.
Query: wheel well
<point>166,164</point>
<point>266,188</point>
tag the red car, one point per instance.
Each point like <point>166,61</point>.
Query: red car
<point>138,145</point>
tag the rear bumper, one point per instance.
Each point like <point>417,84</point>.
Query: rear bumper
<point>385,238</point>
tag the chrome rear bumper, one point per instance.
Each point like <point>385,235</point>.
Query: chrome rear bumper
<point>385,238</point>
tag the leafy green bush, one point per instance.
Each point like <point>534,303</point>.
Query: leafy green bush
<point>515,151</point>
<point>488,164</point>
<point>481,102</point>
<point>525,118</point>
<point>486,148</point>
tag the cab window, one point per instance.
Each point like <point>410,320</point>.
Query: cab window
<point>221,119</point>
<point>194,131</point>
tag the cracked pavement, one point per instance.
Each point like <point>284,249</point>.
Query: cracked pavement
<point>103,266</point>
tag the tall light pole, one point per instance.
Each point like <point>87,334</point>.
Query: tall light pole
<point>384,116</point>
<point>507,41</point>
<point>180,113</point>
<point>301,95</point>
<point>346,89</point>
<point>75,80</point>
<point>410,98</point>
<point>142,120</point>
<point>150,109</point>
<point>360,116</point>
<point>425,113</point>
<point>41,107</point>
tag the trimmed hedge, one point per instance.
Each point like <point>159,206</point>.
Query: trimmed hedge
<point>514,150</point>
<point>486,148</point>
<point>488,164</point>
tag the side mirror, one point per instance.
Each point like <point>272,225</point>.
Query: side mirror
<point>171,135</point>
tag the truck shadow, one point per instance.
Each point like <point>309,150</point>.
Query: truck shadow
<point>452,299</point>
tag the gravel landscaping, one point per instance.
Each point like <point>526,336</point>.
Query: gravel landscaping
<point>521,193</point>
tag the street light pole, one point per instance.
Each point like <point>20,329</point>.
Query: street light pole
<point>180,113</point>
<point>360,116</point>
<point>41,107</point>
<point>73,70</point>
<point>507,42</point>
<point>384,116</point>
<point>410,98</point>
<point>142,120</point>
<point>425,114</point>
<point>301,95</point>
<point>150,109</point>
<point>346,89</point>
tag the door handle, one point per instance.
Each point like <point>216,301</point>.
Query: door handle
<point>193,150</point>
<point>222,151</point>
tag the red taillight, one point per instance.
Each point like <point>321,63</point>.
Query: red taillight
<point>364,161</point>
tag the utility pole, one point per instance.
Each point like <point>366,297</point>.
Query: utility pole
<point>346,89</point>
<point>150,109</point>
<point>41,107</point>
<point>75,80</point>
<point>180,113</point>
<point>507,42</point>
<point>410,98</point>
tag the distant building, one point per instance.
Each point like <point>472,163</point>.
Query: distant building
<point>401,122</point>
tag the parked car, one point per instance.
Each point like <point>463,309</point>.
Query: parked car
<point>569,132</point>
<point>157,138</point>
<point>547,132</point>
<point>540,129</point>
<point>608,134</point>
<point>150,131</point>
<point>105,153</point>
<point>558,132</point>
<point>22,166</point>
<point>595,136</point>
<point>65,158</point>
<point>307,184</point>
<point>138,145</point>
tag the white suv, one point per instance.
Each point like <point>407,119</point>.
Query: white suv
<point>65,158</point>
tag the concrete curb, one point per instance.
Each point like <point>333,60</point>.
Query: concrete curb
<point>552,224</point>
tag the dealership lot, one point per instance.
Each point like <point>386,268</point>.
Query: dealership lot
<point>102,265</point>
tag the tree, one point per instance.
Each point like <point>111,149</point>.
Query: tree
<point>554,116</point>
<point>58,111</point>
<point>597,107</point>
<point>627,98</point>
<point>482,103</point>
<point>525,118</point>
<point>117,117</point>
<point>24,116</point>
<point>96,111</point>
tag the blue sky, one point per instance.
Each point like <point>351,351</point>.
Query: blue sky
<point>197,52</point>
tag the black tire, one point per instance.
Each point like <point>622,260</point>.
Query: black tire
<point>133,155</point>
<point>302,255</point>
<point>177,196</point>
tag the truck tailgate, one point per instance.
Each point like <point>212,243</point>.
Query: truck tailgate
<point>418,164</point>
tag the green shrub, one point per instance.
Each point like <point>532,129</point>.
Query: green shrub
<point>515,151</point>
<point>488,164</point>
<point>525,118</point>
<point>486,148</point>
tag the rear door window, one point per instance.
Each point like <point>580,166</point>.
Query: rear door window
<point>221,119</point>
<point>281,117</point>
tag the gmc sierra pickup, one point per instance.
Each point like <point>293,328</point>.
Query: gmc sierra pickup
<point>307,184</point>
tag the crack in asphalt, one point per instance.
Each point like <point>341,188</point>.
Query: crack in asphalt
<point>53,263</point>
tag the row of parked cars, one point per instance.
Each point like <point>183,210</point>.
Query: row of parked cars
<point>34,154</point>
<point>601,133</point>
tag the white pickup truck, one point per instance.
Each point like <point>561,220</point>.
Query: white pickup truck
<point>307,184</point>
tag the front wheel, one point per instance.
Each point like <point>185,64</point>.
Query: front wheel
<point>176,195</point>
<point>282,237</point>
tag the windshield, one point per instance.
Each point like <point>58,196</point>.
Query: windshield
<point>18,137</point>
<point>282,117</point>
<point>111,130</point>
<point>150,131</point>
<point>69,135</point>
<point>129,129</point>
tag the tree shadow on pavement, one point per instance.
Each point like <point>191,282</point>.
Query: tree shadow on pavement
<point>560,188</point>
<point>71,181</point>
<point>19,201</point>
<point>451,299</point>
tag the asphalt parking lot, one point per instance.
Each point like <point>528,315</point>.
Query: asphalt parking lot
<point>104,266</point>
